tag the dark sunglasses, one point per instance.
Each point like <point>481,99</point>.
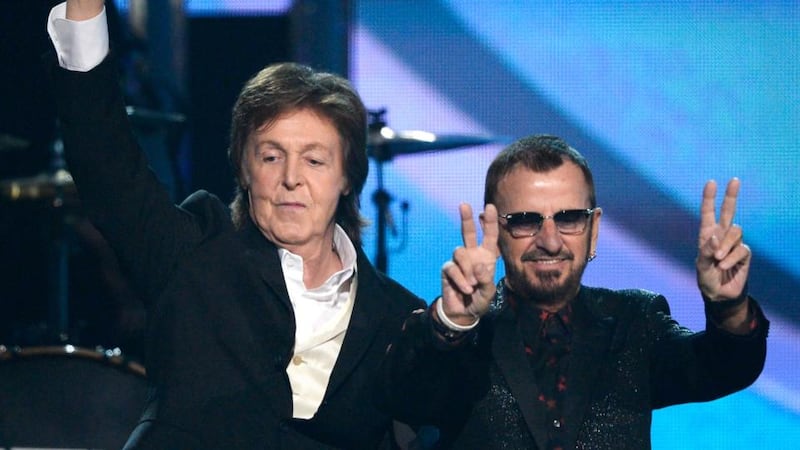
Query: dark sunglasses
<point>526,224</point>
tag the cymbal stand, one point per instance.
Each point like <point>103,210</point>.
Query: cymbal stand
<point>381,196</point>
<point>58,307</point>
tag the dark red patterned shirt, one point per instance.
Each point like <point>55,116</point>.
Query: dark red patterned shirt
<point>548,342</point>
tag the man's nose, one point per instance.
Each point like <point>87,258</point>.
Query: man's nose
<point>548,237</point>
<point>292,173</point>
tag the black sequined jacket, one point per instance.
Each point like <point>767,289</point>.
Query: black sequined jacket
<point>629,356</point>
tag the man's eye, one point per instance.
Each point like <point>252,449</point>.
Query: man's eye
<point>570,217</point>
<point>527,220</point>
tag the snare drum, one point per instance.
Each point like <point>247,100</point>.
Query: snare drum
<point>68,397</point>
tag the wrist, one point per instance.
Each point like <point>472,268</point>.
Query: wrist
<point>450,323</point>
<point>445,328</point>
<point>722,307</point>
<point>733,315</point>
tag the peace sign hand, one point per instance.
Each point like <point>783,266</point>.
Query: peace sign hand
<point>723,260</point>
<point>468,279</point>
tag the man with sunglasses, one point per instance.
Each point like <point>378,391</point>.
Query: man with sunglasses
<point>540,361</point>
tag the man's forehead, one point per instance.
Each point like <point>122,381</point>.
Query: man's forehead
<point>523,185</point>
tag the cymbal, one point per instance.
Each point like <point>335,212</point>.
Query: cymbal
<point>385,143</point>
<point>42,186</point>
<point>9,142</point>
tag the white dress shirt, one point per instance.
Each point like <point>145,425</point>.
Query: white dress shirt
<point>321,318</point>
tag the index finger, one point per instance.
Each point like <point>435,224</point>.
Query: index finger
<point>708,217</point>
<point>491,228</point>
<point>468,232</point>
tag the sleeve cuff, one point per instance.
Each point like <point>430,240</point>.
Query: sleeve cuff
<point>80,45</point>
<point>756,320</point>
<point>445,330</point>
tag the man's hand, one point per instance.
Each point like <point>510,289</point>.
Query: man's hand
<point>468,279</point>
<point>83,9</point>
<point>723,260</point>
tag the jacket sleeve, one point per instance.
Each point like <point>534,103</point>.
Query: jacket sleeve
<point>695,367</point>
<point>120,194</point>
<point>428,383</point>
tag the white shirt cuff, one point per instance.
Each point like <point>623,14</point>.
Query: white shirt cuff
<point>80,45</point>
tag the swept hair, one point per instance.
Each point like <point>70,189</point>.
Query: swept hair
<point>286,87</point>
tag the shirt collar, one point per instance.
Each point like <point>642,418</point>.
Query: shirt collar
<point>345,248</point>
<point>292,265</point>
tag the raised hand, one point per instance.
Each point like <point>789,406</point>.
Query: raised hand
<point>468,279</point>
<point>723,260</point>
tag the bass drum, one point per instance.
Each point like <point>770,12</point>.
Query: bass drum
<point>68,397</point>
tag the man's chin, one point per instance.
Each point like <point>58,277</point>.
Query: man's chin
<point>549,288</point>
<point>546,287</point>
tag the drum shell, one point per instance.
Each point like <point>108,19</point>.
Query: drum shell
<point>68,397</point>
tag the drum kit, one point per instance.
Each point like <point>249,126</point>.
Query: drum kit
<point>100,382</point>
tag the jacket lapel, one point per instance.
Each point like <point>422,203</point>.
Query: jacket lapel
<point>368,312</point>
<point>267,333</point>
<point>263,255</point>
<point>509,353</point>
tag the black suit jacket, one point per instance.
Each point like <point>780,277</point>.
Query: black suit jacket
<point>628,357</point>
<point>220,322</point>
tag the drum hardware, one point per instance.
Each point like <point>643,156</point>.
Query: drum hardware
<point>112,357</point>
<point>45,186</point>
<point>383,144</point>
<point>12,143</point>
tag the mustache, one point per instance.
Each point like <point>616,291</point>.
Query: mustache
<point>539,255</point>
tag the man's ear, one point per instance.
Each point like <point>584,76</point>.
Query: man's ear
<point>244,178</point>
<point>346,190</point>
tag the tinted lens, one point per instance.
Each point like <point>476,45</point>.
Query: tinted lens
<point>571,221</point>
<point>524,224</point>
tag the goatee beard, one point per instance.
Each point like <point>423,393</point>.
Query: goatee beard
<point>545,289</point>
